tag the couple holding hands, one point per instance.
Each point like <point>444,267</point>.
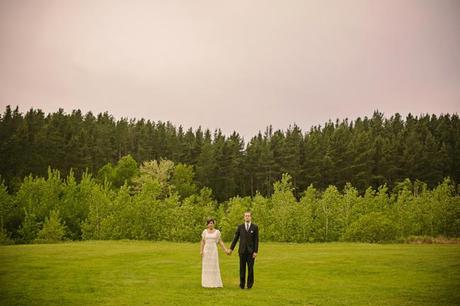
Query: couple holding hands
<point>248,234</point>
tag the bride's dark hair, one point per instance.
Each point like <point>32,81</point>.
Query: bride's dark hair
<point>209,220</point>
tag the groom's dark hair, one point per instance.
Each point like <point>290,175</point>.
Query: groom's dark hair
<point>249,212</point>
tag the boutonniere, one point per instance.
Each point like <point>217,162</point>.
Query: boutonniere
<point>252,232</point>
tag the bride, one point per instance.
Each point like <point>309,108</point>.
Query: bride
<point>210,271</point>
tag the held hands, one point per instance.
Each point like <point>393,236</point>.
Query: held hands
<point>228,251</point>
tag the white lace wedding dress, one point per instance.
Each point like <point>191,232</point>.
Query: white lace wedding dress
<point>210,271</point>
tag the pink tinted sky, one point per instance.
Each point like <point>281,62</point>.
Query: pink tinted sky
<point>235,65</point>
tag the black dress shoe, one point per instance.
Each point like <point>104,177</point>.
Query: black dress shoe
<point>242,287</point>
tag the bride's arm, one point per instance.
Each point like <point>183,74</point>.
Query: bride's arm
<point>223,245</point>
<point>202,246</point>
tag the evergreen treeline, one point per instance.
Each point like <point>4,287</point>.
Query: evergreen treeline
<point>364,152</point>
<point>160,201</point>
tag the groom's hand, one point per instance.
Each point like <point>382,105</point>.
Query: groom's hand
<point>254,255</point>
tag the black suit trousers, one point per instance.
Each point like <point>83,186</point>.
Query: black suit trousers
<point>246,259</point>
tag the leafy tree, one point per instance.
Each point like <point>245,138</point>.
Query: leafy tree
<point>53,229</point>
<point>285,208</point>
<point>328,226</point>
<point>183,180</point>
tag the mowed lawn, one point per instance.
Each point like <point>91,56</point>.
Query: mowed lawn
<point>166,273</point>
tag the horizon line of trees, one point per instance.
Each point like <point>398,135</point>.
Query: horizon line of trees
<point>366,152</point>
<point>159,200</point>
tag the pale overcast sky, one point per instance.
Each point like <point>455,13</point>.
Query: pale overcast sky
<point>236,65</point>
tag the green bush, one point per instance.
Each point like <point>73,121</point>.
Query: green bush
<point>372,227</point>
<point>29,227</point>
<point>5,237</point>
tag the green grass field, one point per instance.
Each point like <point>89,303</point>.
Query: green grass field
<point>165,273</point>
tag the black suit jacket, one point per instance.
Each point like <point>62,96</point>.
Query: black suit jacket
<point>249,240</point>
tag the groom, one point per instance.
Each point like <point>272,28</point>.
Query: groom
<point>248,233</point>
